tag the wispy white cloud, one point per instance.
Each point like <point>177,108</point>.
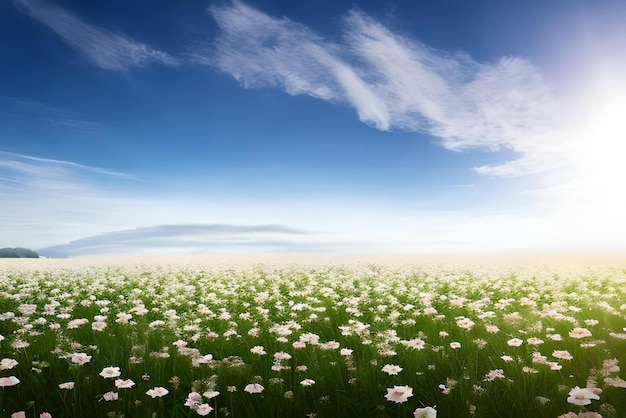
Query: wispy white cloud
<point>67,208</point>
<point>35,111</point>
<point>30,165</point>
<point>184,237</point>
<point>106,49</point>
<point>47,200</point>
<point>281,53</point>
<point>35,177</point>
<point>396,83</point>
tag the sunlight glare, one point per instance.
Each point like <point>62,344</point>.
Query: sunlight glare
<point>599,153</point>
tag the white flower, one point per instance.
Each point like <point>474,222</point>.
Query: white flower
<point>258,350</point>
<point>416,344</point>
<point>589,414</point>
<point>455,345</point>
<point>20,344</point>
<point>110,396</point>
<point>196,361</point>
<point>480,343</point>
<point>492,329</point>
<point>562,354</point>
<point>123,318</point>
<point>391,369</point>
<point>534,341</point>
<point>80,358</point>
<point>307,382</point>
<point>157,392</point>
<point>27,309</point>
<point>204,409</point>
<point>66,385</point>
<point>139,309</point>
<point>193,400</point>
<point>254,388</point>
<point>555,366</point>
<point>464,323</point>
<point>578,396</point>
<point>180,343</point>
<point>494,374</point>
<point>346,352</point>
<point>330,345</point>
<point>580,333</point>
<point>399,394</point>
<point>616,381</point>
<point>8,363</point>
<point>98,325</point>
<point>281,355</point>
<point>110,372</point>
<point>8,381</point>
<point>428,412</point>
<point>310,338</point>
<point>124,384</point>
<point>210,394</point>
<point>515,342</point>
<point>75,323</point>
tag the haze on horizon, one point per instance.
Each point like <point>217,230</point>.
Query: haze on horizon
<point>334,127</point>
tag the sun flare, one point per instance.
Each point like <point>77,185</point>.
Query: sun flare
<point>590,204</point>
<point>598,151</point>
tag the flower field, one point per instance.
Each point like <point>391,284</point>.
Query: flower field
<point>153,340</point>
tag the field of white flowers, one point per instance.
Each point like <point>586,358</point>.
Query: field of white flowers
<point>162,340</point>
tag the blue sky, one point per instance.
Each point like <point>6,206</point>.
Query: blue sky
<point>281,126</point>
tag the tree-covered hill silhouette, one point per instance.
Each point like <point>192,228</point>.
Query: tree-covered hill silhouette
<point>17,253</point>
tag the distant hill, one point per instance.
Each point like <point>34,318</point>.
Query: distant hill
<point>17,253</point>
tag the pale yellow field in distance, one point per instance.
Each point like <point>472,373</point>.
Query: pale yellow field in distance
<point>540,263</point>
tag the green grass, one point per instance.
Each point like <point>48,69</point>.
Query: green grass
<point>374,311</point>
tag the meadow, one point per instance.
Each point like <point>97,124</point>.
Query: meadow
<point>311,340</point>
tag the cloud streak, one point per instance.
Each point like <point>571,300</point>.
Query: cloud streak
<point>66,209</point>
<point>396,83</point>
<point>34,111</point>
<point>188,237</point>
<point>48,200</point>
<point>36,174</point>
<point>108,50</point>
